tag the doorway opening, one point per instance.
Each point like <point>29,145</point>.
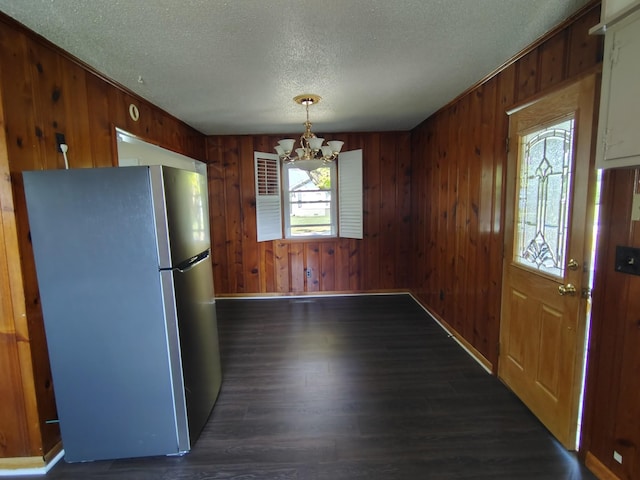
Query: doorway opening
<point>592,272</point>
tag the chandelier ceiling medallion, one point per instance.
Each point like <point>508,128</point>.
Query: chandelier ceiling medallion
<point>312,153</point>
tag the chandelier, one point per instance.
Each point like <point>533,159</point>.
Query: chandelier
<point>312,153</point>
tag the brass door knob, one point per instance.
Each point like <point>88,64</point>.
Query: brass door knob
<point>567,289</point>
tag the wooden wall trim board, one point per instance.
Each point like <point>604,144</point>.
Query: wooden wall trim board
<point>19,465</point>
<point>17,386</point>
<point>55,454</point>
<point>598,468</point>
<point>594,70</point>
<point>466,346</point>
<point>23,466</point>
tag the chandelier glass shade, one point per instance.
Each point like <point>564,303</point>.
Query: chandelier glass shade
<point>312,152</point>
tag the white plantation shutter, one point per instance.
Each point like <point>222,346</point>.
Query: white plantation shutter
<point>350,194</point>
<point>268,205</point>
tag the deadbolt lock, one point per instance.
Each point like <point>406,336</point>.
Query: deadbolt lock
<point>572,265</point>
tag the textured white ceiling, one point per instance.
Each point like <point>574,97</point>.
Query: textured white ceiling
<point>233,67</point>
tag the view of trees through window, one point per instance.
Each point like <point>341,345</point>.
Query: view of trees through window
<point>310,198</point>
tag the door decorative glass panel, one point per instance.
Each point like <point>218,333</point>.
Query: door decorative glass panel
<point>542,213</point>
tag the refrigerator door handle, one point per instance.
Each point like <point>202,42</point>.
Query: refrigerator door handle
<point>189,263</point>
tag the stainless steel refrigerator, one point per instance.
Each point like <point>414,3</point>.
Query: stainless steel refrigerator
<point>124,270</point>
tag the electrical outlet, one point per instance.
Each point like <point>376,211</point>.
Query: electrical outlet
<point>308,270</point>
<point>60,140</point>
<point>617,457</point>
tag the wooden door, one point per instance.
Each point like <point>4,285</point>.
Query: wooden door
<point>550,192</point>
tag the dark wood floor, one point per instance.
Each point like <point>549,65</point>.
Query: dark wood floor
<point>348,388</point>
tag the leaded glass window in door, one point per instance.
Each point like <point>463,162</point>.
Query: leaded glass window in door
<point>542,216</point>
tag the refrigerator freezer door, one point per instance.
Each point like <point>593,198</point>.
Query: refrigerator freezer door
<point>182,214</point>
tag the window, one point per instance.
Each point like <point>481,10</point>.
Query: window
<point>326,202</point>
<point>310,201</point>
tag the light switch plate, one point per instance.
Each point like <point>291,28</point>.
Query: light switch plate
<point>627,260</point>
<point>635,208</point>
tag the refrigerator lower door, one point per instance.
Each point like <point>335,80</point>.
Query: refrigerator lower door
<point>198,332</point>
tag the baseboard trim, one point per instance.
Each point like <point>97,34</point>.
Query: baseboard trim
<point>23,466</point>
<point>470,349</point>
<point>352,293</point>
<point>598,468</point>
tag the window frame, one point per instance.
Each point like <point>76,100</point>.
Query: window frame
<point>286,204</point>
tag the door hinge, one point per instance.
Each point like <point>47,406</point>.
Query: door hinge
<point>507,144</point>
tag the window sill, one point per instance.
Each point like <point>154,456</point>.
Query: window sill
<point>322,238</point>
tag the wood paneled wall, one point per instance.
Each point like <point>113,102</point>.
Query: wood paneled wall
<point>612,405</point>
<point>433,222</point>
<point>44,92</point>
<point>458,164</point>
<point>380,261</point>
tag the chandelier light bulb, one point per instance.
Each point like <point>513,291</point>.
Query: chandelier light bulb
<point>336,146</point>
<point>326,151</point>
<point>287,145</point>
<point>315,143</point>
